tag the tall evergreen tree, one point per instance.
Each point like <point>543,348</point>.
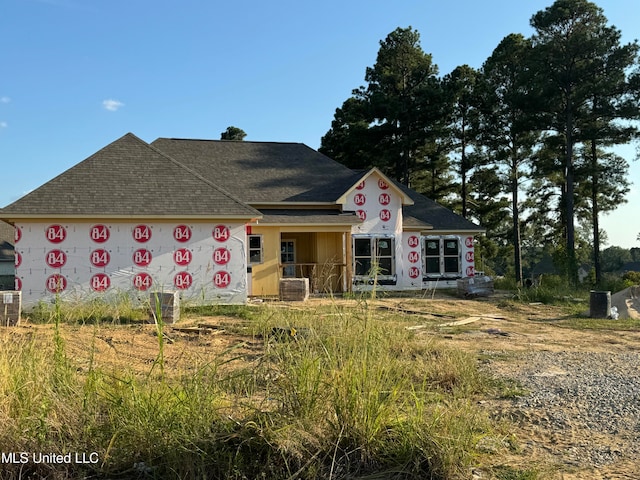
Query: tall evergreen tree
<point>571,43</point>
<point>507,131</point>
<point>460,89</point>
<point>394,112</point>
<point>613,100</point>
<point>602,188</point>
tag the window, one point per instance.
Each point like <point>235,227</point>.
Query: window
<point>370,251</point>
<point>254,251</point>
<point>288,256</point>
<point>451,255</point>
<point>441,257</point>
<point>432,257</point>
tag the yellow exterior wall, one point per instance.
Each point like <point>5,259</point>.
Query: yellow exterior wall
<point>265,276</point>
<point>319,256</point>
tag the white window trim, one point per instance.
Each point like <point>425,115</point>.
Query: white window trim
<point>287,266</point>
<point>372,257</point>
<point>249,249</point>
<point>441,257</point>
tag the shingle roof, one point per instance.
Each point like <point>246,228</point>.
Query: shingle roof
<point>263,172</point>
<point>182,178</point>
<point>129,178</point>
<point>425,210</point>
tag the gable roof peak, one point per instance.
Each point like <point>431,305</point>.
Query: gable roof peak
<point>406,199</point>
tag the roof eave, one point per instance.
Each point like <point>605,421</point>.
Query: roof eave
<point>18,217</point>
<point>259,204</point>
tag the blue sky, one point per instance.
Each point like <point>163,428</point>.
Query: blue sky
<point>76,75</point>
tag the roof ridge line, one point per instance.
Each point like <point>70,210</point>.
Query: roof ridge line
<point>197,175</point>
<point>230,141</point>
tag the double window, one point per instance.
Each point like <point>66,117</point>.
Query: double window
<point>441,257</point>
<point>373,256</point>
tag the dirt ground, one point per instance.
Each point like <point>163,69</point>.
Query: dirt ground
<point>537,328</point>
<point>477,326</point>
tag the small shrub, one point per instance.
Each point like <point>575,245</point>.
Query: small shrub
<point>631,278</point>
<point>505,283</point>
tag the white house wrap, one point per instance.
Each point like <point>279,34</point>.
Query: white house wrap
<point>204,261</point>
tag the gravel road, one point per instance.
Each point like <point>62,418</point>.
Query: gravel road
<point>580,408</point>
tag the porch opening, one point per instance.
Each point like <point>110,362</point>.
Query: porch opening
<point>318,256</point>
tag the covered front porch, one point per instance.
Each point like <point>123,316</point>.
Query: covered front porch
<point>297,249</point>
<point>318,256</point>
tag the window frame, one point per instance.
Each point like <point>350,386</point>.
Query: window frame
<point>445,256</point>
<point>288,267</point>
<point>250,249</point>
<point>373,256</point>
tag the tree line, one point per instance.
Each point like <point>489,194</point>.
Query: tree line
<point>523,145</point>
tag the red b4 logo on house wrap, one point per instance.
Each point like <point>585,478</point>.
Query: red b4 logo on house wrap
<point>382,184</point>
<point>99,233</point>
<point>182,257</point>
<point>100,282</point>
<point>360,186</point>
<point>362,215</point>
<point>385,215</point>
<point>471,271</point>
<point>469,256</point>
<point>182,233</point>
<point>221,279</point>
<point>56,258</point>
<point>56,233</point>
<point>142,233</point>
<point>18,261</point>
<point>182,280</point>
<point>221,233</point>
<point>414,257</point>
<point>142,257</point>
<point>99,258</point>
<point>384,199</point>
<point>221,256</point>
<point>414,272</point>
<point>469,242</point>
<point>17,234</point>
<point>359,199</point>
<point>413,241</point>
<point>142,281</point>
<point>56,283</point>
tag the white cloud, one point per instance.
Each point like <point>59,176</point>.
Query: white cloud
<point>112,105</point>
<point>5,99</point>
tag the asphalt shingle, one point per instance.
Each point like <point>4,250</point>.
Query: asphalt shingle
<point>129,178</point>
<point>263,172</point>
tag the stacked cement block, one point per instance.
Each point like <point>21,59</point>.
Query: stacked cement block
<point>10,307</point>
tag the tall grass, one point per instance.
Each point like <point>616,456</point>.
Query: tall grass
<point>347,392</point>
<point>118,307</point>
